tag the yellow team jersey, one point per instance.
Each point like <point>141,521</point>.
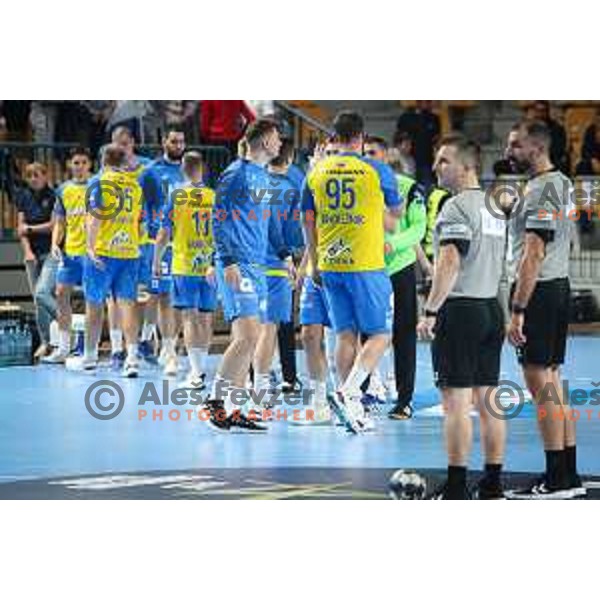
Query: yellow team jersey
<point>119,233</point>
<point>192,232</point>
<point>348,193</point>
<point>72,208</point>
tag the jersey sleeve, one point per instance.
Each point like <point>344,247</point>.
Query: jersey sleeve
<point>539,204</point>
<point>228,189</point>
<point>59,205</point>
<point>307,202</point>
<point>455,227</point>
<point>388,184</point>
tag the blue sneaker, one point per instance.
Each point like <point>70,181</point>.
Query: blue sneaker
<point>117,360</point>
<point>146,352</point>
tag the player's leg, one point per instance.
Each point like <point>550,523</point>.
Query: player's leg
<point>97,279</point>
<point>115,328</point>
<point>148,309</point>
<point>404,341</point>
<point>125,290</point>
<point>458,428</point>
<point>168,330</point>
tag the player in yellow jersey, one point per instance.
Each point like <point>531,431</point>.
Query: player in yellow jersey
<point>69,229</point>
<point>111,265</point>
<point>187,221</point>
<point>345,198</point>
<point>124,139</point>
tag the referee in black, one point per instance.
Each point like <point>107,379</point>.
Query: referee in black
<point>540,303</point>
<point>463,316</point>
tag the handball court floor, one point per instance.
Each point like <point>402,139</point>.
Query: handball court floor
<point>51,447</point>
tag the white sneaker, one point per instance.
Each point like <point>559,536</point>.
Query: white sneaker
<point>195,381</point>
<point>170,369</point>
<point>131,369</point>
<point>162,357</point>
<point>56,358</point>
<point>317,413</point>
<point>81,364</point>
<point>350,411</point>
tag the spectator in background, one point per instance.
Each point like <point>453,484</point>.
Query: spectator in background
<point>129,114</point>
<point>100,112</point>
<point>176,114</point>
<point>540,111</point>
<point>223,122</point>
<point>422,127</point>
<point>402,154</point>
<point>590,149</point>
<point>14,118</point>
<point>35,204</point>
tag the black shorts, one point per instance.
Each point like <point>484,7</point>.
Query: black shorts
<point>466,350</point>
<point>546,324</point>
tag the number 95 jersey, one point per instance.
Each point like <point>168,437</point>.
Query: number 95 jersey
<point>346,196</point>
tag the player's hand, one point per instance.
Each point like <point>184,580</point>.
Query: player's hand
<point>233,277</point>
<point>98,262</point>
<point>30,257</point>
<point>56,253</point>
<point>210,276</point>
<point>515,330</point>
<point>425,328</point>
<point>290,268</point>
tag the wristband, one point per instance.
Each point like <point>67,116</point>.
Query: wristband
<point>28,230</point>
<point>431,313</point>
<point>517,309</point>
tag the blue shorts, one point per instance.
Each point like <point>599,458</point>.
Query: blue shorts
<point>155,285</point>
<point>314,309</point>
<point>119,277</point>
<point>193,292</point>
<point>70,270</point>
<point>361,302</point>
<point>279,299</point>
<point>250,300</point>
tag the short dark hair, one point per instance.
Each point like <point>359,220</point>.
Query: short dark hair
<point>80,151</point>
<point>258,129</point>
<point>286,153</point>
<point>375,139</point>
<point>172,129</point>
<point>120,130</point>
<point>113,156</point>
<point>468,150</point>
<point>539,131</point>
<point>348,125</point>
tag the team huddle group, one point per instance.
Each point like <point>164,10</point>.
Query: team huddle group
<point>352,256</point>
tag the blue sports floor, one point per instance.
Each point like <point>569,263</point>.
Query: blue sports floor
<point>46,431</point>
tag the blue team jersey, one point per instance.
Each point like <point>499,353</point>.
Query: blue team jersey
<point>241,214</point>
<point>158,178</point>
<point>285,226</point>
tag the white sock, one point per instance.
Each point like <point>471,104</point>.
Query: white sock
<point>116,340</point>
<point>262,381</point>
<point>330,342</point>
<point>132,353</point>
<point>351,387</point>
<point>148,332</point>
<point>375,383</point>
<point>319,391</point>
<point>64,342</point>
<point>90,354</point>
<point>169,346</point>
<point>197,358</point>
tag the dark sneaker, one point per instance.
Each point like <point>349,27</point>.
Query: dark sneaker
<point>540,490</point>
<point>401,412</point>
<point>291,388</point>
<point>146,353</point>
<point>218,418</point>
<point>117,360</point>
<point>489,490</point>
<point>443,493</point>
<point>239,421</point>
